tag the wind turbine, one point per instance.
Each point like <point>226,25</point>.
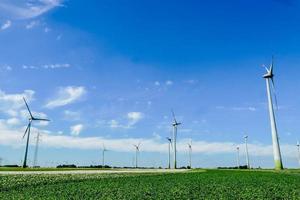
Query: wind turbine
<point>175,124</point>
<point>238,156</point>
<point>247,153</point>
<point>27,131</point>
<point>103,154</point>
<point>169,148</point>
<point>36,150</point>
<point>137,150</point>
<point>269,76</point>
<point>298,147</point>
<point>190,154</point>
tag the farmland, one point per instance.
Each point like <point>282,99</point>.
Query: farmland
<point>205,184</point>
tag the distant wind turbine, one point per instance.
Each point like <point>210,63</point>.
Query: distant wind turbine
<point>27,131</point>
<point>269,76</point>
<point>103,155</point>
<point>238,157</point>
<point>190,154</point>
<point>247,152</point>
<point>169,153</point>
<point>36,150</point>
<point>298,147</point>
<point>137,151</point>
<point>175,124</point>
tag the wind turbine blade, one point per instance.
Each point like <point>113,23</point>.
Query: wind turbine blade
<point>174,116</point>
<point>274,93</point>
<point>272,65</point>
<point>28,108</point>
<point>25,131</point>
<point>40,119</point>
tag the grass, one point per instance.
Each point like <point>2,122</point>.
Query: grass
<point>209,184</point>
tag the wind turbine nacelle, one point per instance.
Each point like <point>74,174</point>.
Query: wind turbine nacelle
<point>268,75</point>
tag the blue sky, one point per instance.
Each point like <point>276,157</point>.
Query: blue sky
<point>109,72</point>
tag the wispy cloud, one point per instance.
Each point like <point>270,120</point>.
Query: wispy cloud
<point>169,82</point>
<point>47,66</point>
<point>27,9</point>
<point>157,83</point>
<point>76,129</point>
<point>237,108</point>
<point>5,68</point>
<point>134,117</point>
<point>12,137</point>
<point>71,115</point>
<point>6,25</point>
<point>67,95</point>
<point>31,24</point>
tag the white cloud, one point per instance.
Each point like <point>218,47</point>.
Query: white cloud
<point>46,29</point>
<point>191,81</point>
<point>13,121</point>
<point>27,9</point>
<point>134,117</point>
<point>249,108</point>
<point>67,95</point>
<point>47,66</point>
<point>6,25</point>
<point>31,24</point>
<point>13,137</point>
<point>5,68</point>
<point>114,124</point>
<point>76,129</point>
<point>157,83</point>
<point>168,82</point>
<point>59,37</point>
<point>11,103</point>
<point>71,115</point>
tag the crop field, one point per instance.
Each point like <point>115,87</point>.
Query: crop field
<point>205,184</point>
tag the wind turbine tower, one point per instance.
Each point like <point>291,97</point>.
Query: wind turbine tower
<point>238,156</point>
<point>169,153</point>
<point>103,155</point>
<point>269,76</point>
<point>247,152</point>
<point>190,154</point>
<point>36,150</point>
<point>298,147</point>
<point>175,124</point>
<point>27,131</point>
<point>137,151</point>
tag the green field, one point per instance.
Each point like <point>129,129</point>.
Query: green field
<point>210,184</point>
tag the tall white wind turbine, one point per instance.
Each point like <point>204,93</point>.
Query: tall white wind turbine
<point>103,155</point>
<point>190,154</point>
<point>175,124</point>
<point>298,147</point>
<point>137,151</point>
<point>269,76</point>
<point>27,131</point>
<point>169,152</point>
<point>247,152</point>
<point>36,150</point>
<point>238,157</point>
